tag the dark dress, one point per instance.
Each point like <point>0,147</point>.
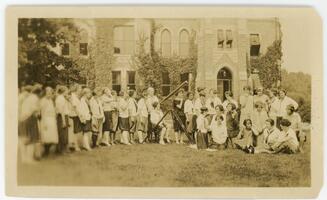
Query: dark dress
<point>106,124</point>
<point>63,132</point>
<point>180,114</point>
<point>232,125</point>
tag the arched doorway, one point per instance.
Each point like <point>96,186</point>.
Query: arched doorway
<point>224,81</point>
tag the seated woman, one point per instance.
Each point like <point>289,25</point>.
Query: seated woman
<point>283,142</point>
<point>244,139</point>
<point>218,131</point>
<point>295,120</point>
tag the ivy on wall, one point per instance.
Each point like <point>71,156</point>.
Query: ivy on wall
<point>268,65</point>
<point>150,65</point>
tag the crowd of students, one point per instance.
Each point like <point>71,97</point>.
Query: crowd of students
<point>78,118</point>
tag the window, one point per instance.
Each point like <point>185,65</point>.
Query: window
<point>116,81</point>
<point>184,43</point>
<point>220,37</point>
<point>65,49</point>
<point>165,86</point>
<point>165,43</point>
<point>254,45</point>
<point>124,40</point>
<point>184,77</point>
<point>229,38</point>
<point>131,84</point>
<point>83,49</point>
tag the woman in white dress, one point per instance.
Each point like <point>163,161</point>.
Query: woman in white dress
<point>219,130</point>
<point>48,123</point>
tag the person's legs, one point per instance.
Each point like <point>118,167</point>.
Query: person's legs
<point>177,137</point>
<point>162,135</point>
<point>86,140</point>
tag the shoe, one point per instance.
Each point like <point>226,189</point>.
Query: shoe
<point>162,143</point>
<point>193,146</point>
<point>177,142</point>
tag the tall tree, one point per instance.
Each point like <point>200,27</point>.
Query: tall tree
<point>37,61</point>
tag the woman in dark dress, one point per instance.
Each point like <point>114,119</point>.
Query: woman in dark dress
<point>179,117</point>
<point>232,123</point>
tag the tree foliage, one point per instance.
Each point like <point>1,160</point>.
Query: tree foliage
<point>268,64</point>
<point>298,86</point>
<point>36,60</point>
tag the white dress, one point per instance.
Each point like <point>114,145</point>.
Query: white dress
<point>48,124</point>
<point>219,133</point>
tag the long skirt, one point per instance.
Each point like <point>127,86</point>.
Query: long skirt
<point>142,124</point>
<point>132,123</point>
<point>29,129</point>
<point>77,124</point>
<point>62,132</point>
<point>124,124</point>
<point>49,130</point>
<point>107,119</point>
<point>202,140</point>
<point>113,122</point>
<point>178,124</point>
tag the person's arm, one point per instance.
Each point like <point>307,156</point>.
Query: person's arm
<point>293,102</point>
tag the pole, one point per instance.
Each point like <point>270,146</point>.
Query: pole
<point>173,92</point>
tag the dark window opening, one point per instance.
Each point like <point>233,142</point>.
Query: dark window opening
<point>65,49</point>
<point>83,49</point>
<point>165,86</point>
<point>131,84</point>
<point>116,81</point>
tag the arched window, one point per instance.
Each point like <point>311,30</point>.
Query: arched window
<point>166,43</point>
<point>224,81</point>
<point>184,43</point>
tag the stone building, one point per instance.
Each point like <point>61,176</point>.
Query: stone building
<point>224,48</point>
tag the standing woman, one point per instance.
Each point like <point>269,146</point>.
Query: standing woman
<point>97,118</point>
<point>123,118</point>
<point>273,105</point>
<point>48,123</point>
<point>142,121</point>
<point>62,118</point>
<point>29,134</point>
<point>178,106</point>
<point>74,114</point>
<point>106,100</point>
<point>202,129</point>
<point>132,110</point>
<point>85,116</point>
<point>229,99</point>
<point>283,102</point>
<point>190,118</point>
<point>113,113</point>
<point>246,102</point>
<point>232,123</point>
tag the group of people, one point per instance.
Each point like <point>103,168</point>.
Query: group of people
<point>257,123</point>
<point>78,118</point>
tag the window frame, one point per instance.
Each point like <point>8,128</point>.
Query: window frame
<point>87,49</point>
<point>128,79</point>
<point>180,43</point>
<point>165,85</point>
<point>119,84</point>
<point>166,43</point>
<point>124,43</point>
<point>62,48</point>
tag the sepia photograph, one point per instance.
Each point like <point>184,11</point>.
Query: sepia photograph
<point>181,102</point>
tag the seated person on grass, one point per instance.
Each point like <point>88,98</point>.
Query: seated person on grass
<point>244,140</point>
<point>218,131</point>
<point>278,142</point>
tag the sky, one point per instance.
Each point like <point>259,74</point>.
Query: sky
<point>295,44</point>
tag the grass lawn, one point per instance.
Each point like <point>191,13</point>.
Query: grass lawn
<point>154,165</point>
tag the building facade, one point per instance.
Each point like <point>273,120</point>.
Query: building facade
<point>224,46</point>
